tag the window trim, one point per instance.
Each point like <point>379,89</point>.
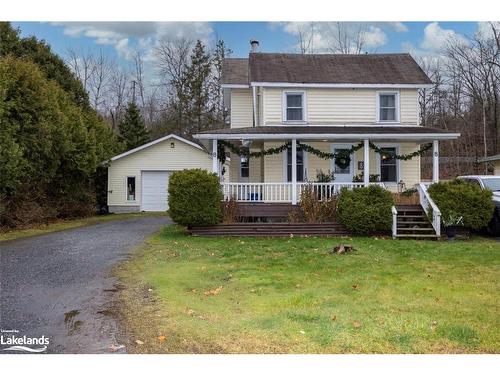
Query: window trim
<point>397,104</point>
<point>304,106</point>
<point>397,146</point>
<point>126,189</point>
<point>304,167</point>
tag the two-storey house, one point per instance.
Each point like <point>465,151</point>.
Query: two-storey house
<point>362,109</point>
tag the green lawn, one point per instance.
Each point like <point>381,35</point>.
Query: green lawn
<point>59,225</point>
<point>252,295</point>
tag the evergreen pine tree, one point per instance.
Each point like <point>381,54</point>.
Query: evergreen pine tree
<point>133,131</point>
<point>200,109</point>
<point>220,53</point>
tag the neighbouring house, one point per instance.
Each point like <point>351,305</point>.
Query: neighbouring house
<point>138,178</point>
<point>493,160</point>
<point>295,109</point>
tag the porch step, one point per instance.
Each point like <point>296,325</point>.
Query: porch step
<point>413,223</point>
<point>403,229</point>
<point>272,230</point>
<point>418,236</point>
<point>403,216</point>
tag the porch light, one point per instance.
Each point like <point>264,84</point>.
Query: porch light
<point>401,186</point>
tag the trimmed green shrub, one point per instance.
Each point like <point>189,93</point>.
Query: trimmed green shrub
<point>194,197</point>
<point>365,209</point>
<point>464,199</point>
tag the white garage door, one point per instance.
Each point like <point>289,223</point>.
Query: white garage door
<point>154,191</point>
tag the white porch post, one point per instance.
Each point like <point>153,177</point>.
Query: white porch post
<point>294,171</point>
<point>215,159</point>
<point>435,161</point>
<point>366,163</point>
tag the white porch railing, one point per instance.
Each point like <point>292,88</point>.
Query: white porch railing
<point>428,205</point>
<point>280,191</point>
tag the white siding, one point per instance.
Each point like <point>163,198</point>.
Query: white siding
<point>241,108</point>
<point>159,157</point>
<point>255,168</point>
<point>409,106</point>
<point>338,106</point>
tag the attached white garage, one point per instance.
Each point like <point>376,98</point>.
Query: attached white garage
<point>138,179</point>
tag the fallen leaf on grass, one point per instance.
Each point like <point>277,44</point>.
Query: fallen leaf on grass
<point>302,332</point>
<point>333,317</point>
<point>355,286</point>
<point>161,338</point>
<point>115,348</point>
<point>139,342</point>
<point>433,325</point>
<point>190,312</point>
<point>213,292</point>
<point>356,324</point>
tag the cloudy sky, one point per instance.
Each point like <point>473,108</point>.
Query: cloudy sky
<point>118,40</point>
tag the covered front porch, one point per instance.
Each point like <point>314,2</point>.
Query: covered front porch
<point>283,160</point>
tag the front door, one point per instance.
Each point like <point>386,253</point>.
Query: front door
<point>343,172</point>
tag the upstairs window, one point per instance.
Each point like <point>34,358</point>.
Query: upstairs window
<point>388,107</point>
<point>294,106</point>
<point>130,189</point>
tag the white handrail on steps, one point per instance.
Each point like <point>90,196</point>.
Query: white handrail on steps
<point>428,204</point>
<point>394,221</point>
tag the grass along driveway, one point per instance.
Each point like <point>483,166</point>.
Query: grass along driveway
<point>58,225</point>
<point>254,295</point>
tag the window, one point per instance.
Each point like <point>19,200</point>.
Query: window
<point>294,106</point>
<point>388,107</point>
<point>300,165</point>
<point>473,182</point>
<point>130,188</point>
<point>388,165</point>
<point>244,167</point>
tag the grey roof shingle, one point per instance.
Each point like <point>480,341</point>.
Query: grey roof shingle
<point>398,68</point>
<point>235,71</point>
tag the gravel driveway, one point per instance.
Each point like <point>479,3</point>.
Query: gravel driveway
<point>60,285</point>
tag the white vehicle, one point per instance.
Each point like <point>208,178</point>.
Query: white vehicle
<point>492,183</point>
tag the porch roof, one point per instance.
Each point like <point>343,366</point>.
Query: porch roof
<point>332,132</point>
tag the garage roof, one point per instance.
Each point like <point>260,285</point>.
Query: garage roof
<point>156,141</point>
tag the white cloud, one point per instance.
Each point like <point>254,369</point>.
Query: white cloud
<point>322,34</point>
<point>129,36</point>
<point>399,27</point>
<point>374,37</point>
<point>436,38</point>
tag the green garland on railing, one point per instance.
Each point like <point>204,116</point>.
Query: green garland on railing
<point>342,155</point>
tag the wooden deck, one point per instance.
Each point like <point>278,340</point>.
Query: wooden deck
<point>266,210</point>
<point>272,230</point>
